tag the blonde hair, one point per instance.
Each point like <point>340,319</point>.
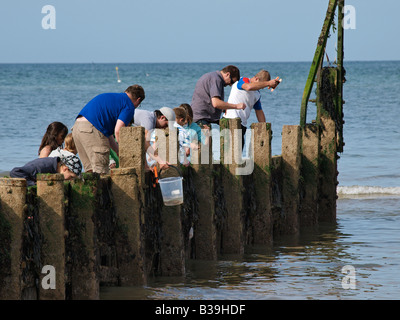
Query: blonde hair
<point>69,144</point>
<point>263,75</point>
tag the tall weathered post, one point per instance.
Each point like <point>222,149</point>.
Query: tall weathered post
<point>51,196</point>
<point>327,120</point>
<point>318,58</point>
<point>231,156</point>
<point>81,241</point>
<point>12,214</point>
<point>310,175</point>
<point>127,189</point>
<point>205,233</point>
<point>340,75</point>
<point>291,163</point>
<point>262,220</point>
<point>172,257</point>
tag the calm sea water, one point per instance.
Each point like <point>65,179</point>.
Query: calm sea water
<point>366,236</point>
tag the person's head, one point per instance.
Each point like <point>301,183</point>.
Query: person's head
<point>231,74</point>
<point>164,115</point>
<point>180,116</point>
<point>70,167</point>
<point>54,136</point>
<point>189,112</point>
<point>69,144</point>
<point>262,75</point>
<point>136,94</point>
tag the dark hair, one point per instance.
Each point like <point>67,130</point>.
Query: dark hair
<point>233,70</point>
<point>50,137</point>
<point>158,113</point>
<point>189,111</point>
<point>180,113</point>
<point>136,91</point>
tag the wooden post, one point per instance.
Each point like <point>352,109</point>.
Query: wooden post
<point>81,240</point>
<point>326,119</point>
<point>172,255</point>
<point>233,232</point>
<point>205,233</point>
<point>262,220</point>
<point>50,192</point>
<point>340,74</point>
<point>319,53</point>
<point>128,192</point>
<point>310,175</point>
<point>12,215</point>
<point>132,153</point>
<point>125,188</point>
<point>291,162</point>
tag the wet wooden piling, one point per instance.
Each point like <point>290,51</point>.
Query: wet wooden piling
<point>205,232</point>
<point>12,215</point>
<point>262,226</point>
<point>64,239</point>
<point>291,161</point>
<point>102,230</point>
<point>231,156</point>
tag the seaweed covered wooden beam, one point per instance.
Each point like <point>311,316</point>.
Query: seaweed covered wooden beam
<point>341,73</point>
<point>319,53</point>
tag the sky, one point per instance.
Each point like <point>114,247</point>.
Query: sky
<point>130,31</point>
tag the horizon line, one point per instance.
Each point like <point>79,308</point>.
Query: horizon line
<point>193,62</point>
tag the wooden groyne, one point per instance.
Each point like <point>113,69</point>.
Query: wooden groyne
<point>64,239</point>
<point>115,230</point>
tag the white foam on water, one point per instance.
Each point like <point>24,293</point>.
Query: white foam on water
<point>366,191</point>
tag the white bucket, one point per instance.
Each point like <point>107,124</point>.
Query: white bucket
<point>171,190</point>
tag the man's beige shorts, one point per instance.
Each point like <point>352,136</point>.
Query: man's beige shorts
<point>93,147</point>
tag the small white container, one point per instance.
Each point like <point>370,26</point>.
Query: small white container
<point>171,190</point>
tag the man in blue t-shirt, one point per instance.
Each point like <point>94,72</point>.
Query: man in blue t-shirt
<point>99,121</point>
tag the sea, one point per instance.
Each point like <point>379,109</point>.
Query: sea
<point>358,258</point>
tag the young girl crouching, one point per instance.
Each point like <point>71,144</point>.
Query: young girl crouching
<point>70,167</point>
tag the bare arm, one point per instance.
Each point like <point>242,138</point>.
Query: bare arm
<point>258,85</point>
<point>260,115</point>
<point>44,153</point>
<point>152,152</point>
<point>220,104</point>
<point>120,124</point>
<point>114,144</point>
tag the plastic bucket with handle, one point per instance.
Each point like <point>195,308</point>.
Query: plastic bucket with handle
<point>171,190</point>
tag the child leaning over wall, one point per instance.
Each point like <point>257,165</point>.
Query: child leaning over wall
<point>70,167</point>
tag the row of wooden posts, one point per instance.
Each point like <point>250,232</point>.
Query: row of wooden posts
<point>62,240</point>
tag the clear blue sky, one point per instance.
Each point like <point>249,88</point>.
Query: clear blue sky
<point>190,31</point>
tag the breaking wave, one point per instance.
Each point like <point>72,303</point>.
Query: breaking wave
<point>366,191</point>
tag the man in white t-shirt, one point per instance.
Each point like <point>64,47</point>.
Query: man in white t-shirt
<point>247,91</point>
